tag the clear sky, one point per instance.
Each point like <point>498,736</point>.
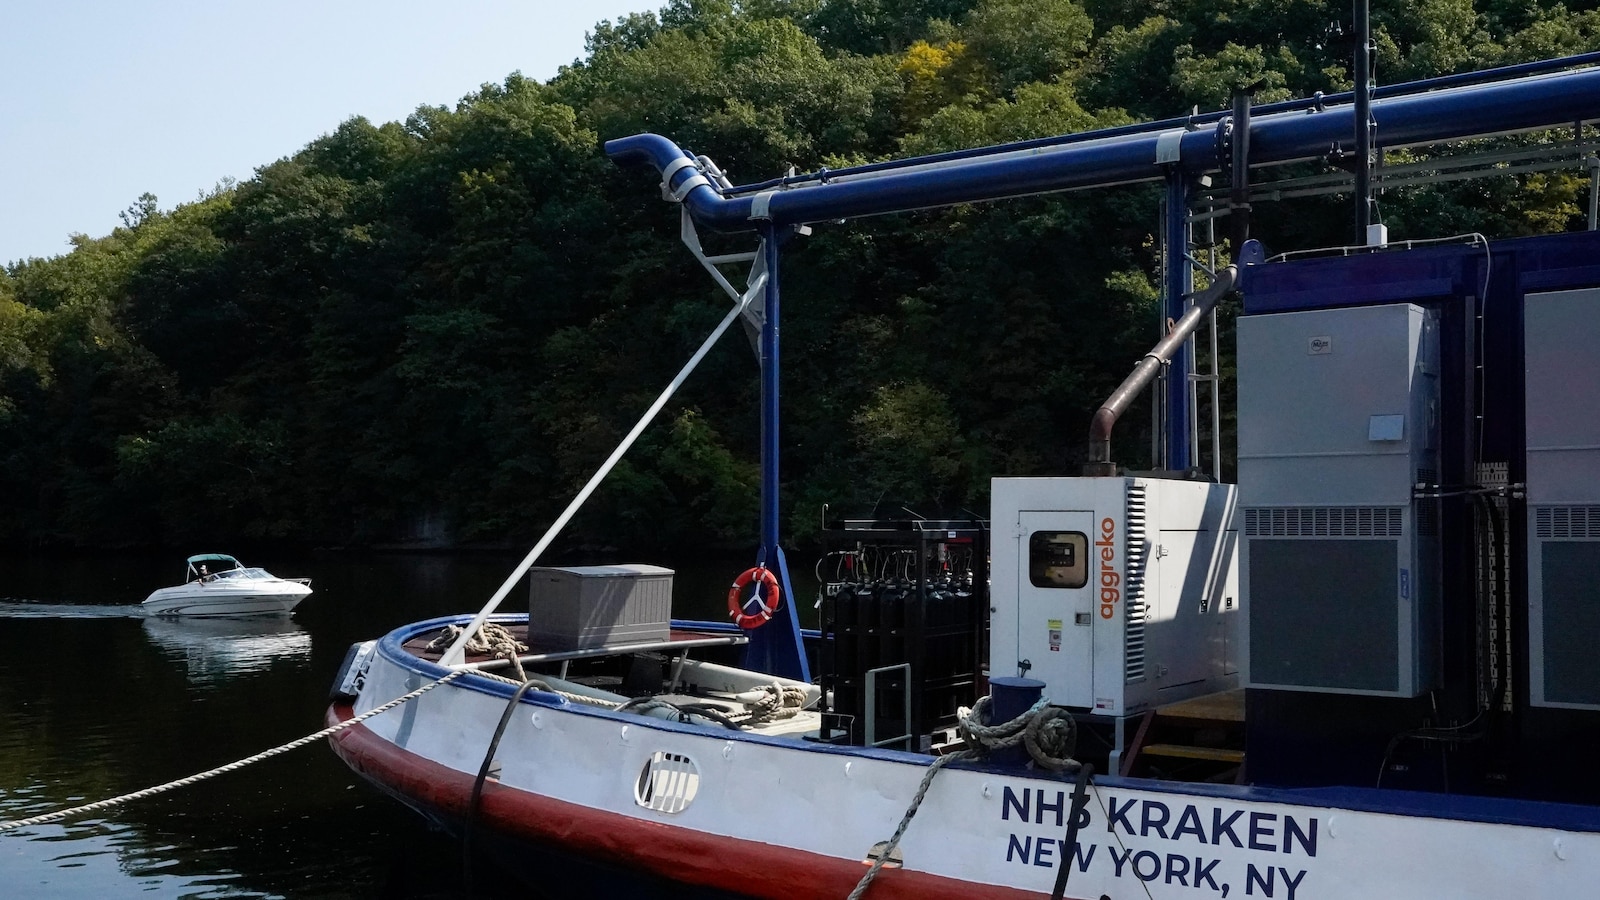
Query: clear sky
<point>103,100</point>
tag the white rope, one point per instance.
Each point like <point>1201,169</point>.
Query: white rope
<point>492,640</point>
<point>454,655</point>
<point>1048,732</point>
<point>212,773</point>
<point>905,821</point>
<point>772,701</point>
<point>1095,789</point>
<point>540,685</point>
<point>1049,744</point>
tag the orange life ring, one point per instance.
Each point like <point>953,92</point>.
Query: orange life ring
<point>762,576</point>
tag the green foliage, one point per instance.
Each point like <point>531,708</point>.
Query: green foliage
<point>455,318</point>
<point>1039,109</point>
<point>910,438</point>
<point>872,27</point>
<point>1211,80</point>
<point>1028,41</point>
<point>759,90</point>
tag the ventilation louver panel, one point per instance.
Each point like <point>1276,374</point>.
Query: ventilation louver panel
<point>1581,522</point>
<point>1133,586</point>
<point>1323,521</point>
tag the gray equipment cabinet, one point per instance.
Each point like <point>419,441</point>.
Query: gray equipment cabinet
<point>1338,422</point>
<point>1562,335</point>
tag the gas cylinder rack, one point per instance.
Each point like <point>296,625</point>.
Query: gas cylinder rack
<point>904,605</point>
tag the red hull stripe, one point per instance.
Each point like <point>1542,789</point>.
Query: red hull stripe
<point>751,868</point>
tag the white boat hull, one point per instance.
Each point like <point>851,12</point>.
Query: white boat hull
<point>275,597</point>
<point>783,818</point>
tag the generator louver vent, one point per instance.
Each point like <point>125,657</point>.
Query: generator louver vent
<point>1568,522</point>
<point>1133,587</point>
<point>1323,521</point>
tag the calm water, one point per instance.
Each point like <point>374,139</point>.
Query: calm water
<point>96,701</point>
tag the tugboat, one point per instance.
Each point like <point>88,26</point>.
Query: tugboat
<point>1363,671</point>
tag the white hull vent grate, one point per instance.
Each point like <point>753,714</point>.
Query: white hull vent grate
<point>667,783</point>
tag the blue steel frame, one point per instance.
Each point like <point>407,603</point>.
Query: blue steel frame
<point>1419,113</point>
<point>1180,282</point>
<point>776,647</point>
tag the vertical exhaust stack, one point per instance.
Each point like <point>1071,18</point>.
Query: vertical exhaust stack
<point>1105,418</point>
<point>1239,185</point>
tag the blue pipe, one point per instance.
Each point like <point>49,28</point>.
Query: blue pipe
<point>1451,114</point>
<point>1305,103</point>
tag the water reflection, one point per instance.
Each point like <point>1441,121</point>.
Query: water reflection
<point>216,648</point>
<point>97,701</point>
<point>23,609</point>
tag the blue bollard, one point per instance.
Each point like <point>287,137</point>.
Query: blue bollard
<point>1009,698</point>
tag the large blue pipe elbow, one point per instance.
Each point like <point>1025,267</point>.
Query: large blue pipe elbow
<point>642,149</point>
<point>706,204</point>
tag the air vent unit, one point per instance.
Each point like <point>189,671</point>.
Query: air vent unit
<point>1337,424</point>
<point>1568,522</point>
<point>1135,609</point>
<point>1323,521</point>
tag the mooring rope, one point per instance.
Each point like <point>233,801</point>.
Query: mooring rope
<point>1049,733</point>
<point>1050,744</point>
<point>544,686</point>
<point>239,764</point>
<point>492,640</point>
<point>773,701</point>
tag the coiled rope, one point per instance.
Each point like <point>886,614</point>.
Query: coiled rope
<point>220,770</point>
<point>772,701</point>
<point>1048,732</point>
<point>493,640</point>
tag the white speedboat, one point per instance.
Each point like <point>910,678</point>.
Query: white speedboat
<point>219,585</point>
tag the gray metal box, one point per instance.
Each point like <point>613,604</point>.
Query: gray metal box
<point>596,606</point>
<point>1561,331</point>
<point>1338,422</point>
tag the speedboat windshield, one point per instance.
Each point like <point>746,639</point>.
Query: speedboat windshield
<point>233,574</point>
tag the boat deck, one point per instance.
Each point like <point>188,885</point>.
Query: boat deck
<point>620,675</point>
<point>678,641</point>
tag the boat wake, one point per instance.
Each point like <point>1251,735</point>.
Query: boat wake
<point>22,609</point>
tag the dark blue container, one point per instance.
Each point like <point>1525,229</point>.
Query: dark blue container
<point>1009,698</point>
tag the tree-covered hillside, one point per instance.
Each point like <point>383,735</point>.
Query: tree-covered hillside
<point>440,327</point>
